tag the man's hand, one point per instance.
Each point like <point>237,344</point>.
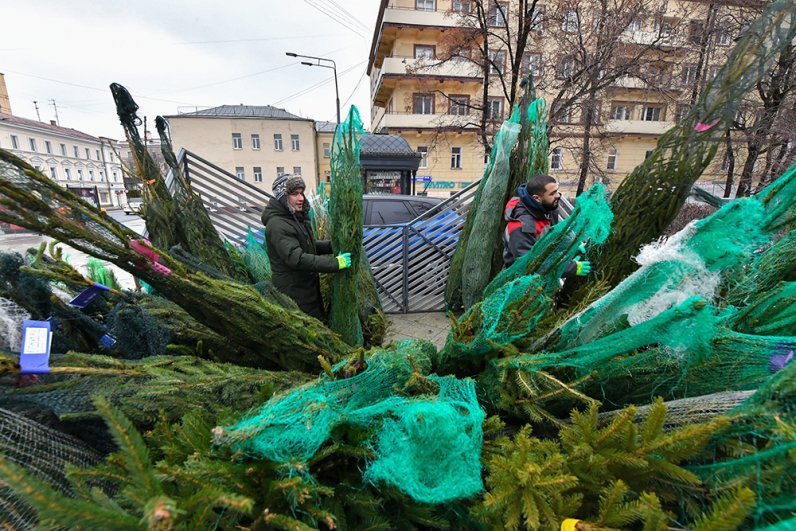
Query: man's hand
<point>582,248</point>
<point>344,260</point>
<point>582,268</point>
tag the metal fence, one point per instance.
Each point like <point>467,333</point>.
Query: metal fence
<point>410,262</point>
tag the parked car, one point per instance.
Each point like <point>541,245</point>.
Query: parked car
<point>133,206</point>
<point>395,209</point>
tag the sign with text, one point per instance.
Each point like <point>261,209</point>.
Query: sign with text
<point>34,353</point>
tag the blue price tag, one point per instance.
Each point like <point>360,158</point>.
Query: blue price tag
<point>34,354</point>
<point>88,295</point>
<point>107,341</point>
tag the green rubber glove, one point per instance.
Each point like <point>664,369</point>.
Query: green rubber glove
<point>582,248</point>
<point>344,260</point>
<point>582,268</point>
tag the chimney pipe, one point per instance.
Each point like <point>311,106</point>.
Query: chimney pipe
<point>52,122</point>
<point>5,102</point>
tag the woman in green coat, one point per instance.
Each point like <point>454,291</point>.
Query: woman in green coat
<point>296,257</point>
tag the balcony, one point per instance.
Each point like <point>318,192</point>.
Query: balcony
<point>396,120</point>
<point>637,127</point>
<point>650,38</point>
<point>394,68</point>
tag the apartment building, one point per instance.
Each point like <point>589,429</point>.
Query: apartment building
<point>324,135</point>
<point>255,143</point>
<point>427,84</point>
<point>71,158</point>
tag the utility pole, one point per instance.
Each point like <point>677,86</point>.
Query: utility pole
<point>36,104</point>
<point>57,121</point>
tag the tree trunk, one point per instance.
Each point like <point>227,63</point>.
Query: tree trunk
<point>730,165</point>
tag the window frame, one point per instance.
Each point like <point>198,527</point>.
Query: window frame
<point>14,141</point>
<point>613,159</point>
<point>490,114</point>
<point>295,142</point>
<point>492,15</point>
<point>33,147</point>
<point>417,96</point>
<point>661,112</point>
<point>627,115</point>
<point>456,157</point>
<point>497,57</point>
<point>460,102</point>
<point>327,150</point>
<point>237,141</point>
<point>278,172</point>
<point>256,145</point>
<point>257,172</point>
<point>240,173</point>
<point>48,147</point>
<point>557,159</point>
<point>423,150</point>
<point>419,8</point>
<point>278,143</point>
<point>297,170</point>
<point>428,47</point>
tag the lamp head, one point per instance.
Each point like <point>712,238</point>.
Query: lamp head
<point>290,54</point>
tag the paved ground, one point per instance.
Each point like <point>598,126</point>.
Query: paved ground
<point>433,326</point>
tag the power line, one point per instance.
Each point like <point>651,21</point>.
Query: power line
<point>236,78</point>
<point>347,13</point>
<point>254,40</point>
<point>335,16</point>
<point>316,85</point>
<point>355,88</point>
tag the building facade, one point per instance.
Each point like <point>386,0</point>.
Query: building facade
<point>427,74</point>
<point>71,158</point>
<point>324,134</point>
<point>254,143</point>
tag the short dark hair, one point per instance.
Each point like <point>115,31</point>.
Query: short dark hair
<point>538,184</point>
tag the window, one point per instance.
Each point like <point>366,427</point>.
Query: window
<point>14,142</point>
<point>459,105</point>
<point>634,26</point>
<point>723,37</point>
<point>459,54</point>
<point>531,62</point>
<point>48,147</point>
<point>280,171</point>
<point>102,176</point>
<point>255,141</point>
<point>53,173</point>
<point>613,156</point>
<point>98,155</point>
<point>237,141</point>
<point>115,177</point>
<point>112,158</point>
<point>425,51</point>
<point>79,175</point>
<point>258,174</point>
<point>294,142</point>
<point>423,150</point>
<point>327,175</point>
<point>425,5</point>
<point>557,159</point>
<point>695,30</point>
<point>389,212</point>
<point>621,111</point>
<point>423,104</point>
<point>494,109</point>
<point>664,27</point>
<point>63,149</point>
<point>652,113</point>
<point>562,114</point>
<point>460,6</point>
<point>68,174</point>
<point>497,62</point>
<point>648,154</point>
<point>569,21</point>
<point>688,74</point>
<point>91,175</point>
<point>566,68</point>
<point>88,154</point>
<point>537,20</point>
<point>681,111</point>
<point>296,170</point>
<point>240,173</point>
<point>456,158</point>
<point>277,142</point>
<point>498,13</point>
<point>76,151</point>
<point>327,150</point>
<point>714,71</point>
<point>32,142</point>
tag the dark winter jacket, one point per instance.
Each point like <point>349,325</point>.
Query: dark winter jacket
<point>296,258</point>
<point>527,219</point>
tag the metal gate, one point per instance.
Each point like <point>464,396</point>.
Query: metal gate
<point>410,262</point>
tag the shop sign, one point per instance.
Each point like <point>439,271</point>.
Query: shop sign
<point>441,184</point>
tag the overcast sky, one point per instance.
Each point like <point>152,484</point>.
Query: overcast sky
<point>177,54</point>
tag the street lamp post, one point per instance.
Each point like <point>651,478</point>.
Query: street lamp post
<point>317,62</point>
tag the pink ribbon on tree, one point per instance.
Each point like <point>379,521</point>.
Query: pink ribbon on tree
<point>147,252</point>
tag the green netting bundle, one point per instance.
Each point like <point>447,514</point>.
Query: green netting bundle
<point>101,273</point>
<point>345,213</point>
<point>255,256</point>
<point>557,246</point>
<point>509,314</point>
<point>477,265</point>
<point>426,430</point>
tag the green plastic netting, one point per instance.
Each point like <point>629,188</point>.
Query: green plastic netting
<point>427,444</point>
<point>345,213</point>
<point>477,264</point>
<point>255,257</point>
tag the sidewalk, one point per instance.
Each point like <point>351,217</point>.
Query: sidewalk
<point>433,326</point>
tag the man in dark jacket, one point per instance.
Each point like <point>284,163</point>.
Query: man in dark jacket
<point>296,258</point>
<point>533,210</point>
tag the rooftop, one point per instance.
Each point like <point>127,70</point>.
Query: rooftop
<point>6,118</point>
<point>389,145</point>
<point>325,127</point>
<point>243,111</point>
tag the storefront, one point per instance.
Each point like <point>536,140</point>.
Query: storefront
<point>388,164</point>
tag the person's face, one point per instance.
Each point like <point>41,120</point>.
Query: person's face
<point>550,198</point>
<point>296,199</point>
